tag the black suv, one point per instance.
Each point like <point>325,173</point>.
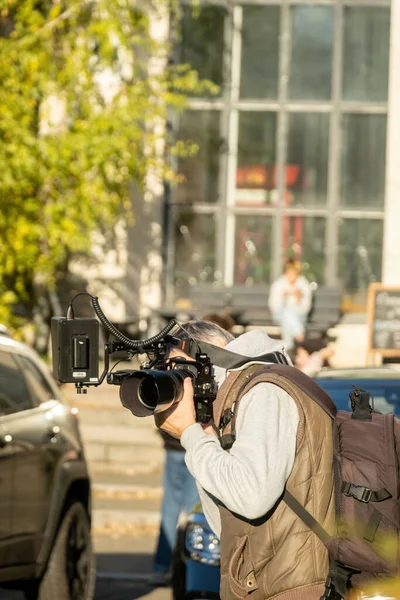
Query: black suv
<point>45,541</point>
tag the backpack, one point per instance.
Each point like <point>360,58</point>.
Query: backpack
<point>365,461</point>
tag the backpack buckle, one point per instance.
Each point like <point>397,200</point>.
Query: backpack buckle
<point>359,492</point>
<point>226,418</point>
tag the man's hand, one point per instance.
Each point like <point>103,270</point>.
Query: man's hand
<point>181,415</point>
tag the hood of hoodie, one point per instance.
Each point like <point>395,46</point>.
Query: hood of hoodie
<point>252,344</point>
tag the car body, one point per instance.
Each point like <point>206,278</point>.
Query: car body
<point>383,383</point>
<point>45,503</point>
<point>196,569</point>
<point>195,572</point>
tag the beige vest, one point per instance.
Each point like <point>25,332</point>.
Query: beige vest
<point>278,556</point>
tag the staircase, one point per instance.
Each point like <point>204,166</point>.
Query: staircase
<point>125,457</point>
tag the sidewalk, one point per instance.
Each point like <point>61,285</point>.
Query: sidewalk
<point>125,457</point>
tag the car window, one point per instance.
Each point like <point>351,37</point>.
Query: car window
<point>38,384</point>
<point>14,393</point>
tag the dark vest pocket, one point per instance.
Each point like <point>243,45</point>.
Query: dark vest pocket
<point>242,579</point>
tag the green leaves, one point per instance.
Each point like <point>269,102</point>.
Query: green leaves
<point>77,105</point>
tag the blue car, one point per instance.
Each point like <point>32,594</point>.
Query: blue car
<point>197,556</point>
<point>383,383</point>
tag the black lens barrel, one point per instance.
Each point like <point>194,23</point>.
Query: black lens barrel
<point>147,392</point>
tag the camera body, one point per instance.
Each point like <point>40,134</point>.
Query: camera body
<point>153,388</point>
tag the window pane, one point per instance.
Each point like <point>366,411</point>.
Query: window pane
<point>366,53</point>
<point>200,172</point>
<point>38,385</point>
<point>303,238</point>
<point>307,162</point>
<point>363,160</point>
<point>311,61</point>
<point>194,250</point>
<point>253,249</point>
<point>360,258</point>
<point>14,395</point>
<point>202,41</point>
<point>256,170</point>
<point>260,52</point>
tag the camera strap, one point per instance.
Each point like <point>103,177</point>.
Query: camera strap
<point>227,359</point>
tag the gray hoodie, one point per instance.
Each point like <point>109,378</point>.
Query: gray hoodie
<point>251,477</point>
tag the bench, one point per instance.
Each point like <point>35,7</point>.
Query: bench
<point>248,306</point>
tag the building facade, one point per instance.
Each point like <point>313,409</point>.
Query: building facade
<point>292,158</point>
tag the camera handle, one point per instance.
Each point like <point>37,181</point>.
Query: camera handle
<point>109,348</point>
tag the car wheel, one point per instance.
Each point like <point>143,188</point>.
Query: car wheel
<point>70,573</point>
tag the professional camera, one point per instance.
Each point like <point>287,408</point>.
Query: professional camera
<point>152,389</point>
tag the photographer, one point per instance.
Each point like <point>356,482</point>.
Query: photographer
<point>280,442</point>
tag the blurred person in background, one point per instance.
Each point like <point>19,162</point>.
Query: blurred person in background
<point>290,302</point>
<point>180,494</point>
<point>312,355</point>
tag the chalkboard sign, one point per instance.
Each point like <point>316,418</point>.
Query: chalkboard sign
<point>384,319</point>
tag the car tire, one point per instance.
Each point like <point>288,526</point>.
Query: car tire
<point>70,572</point>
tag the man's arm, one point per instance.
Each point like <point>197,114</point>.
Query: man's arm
<point>251,477</point>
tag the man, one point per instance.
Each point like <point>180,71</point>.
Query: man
<point>266,550</point>
<point>290,302</point>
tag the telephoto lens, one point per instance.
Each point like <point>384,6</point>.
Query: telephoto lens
<point>148,392</point>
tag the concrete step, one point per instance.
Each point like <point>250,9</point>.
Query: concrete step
<point>140,458</point>
<point>126,504</point>
<point>123,522</point>
<point>123,444</point>
<point>122,481</point>
<point>99,468</point>
<point>112,415</point>
<point>123,434</point>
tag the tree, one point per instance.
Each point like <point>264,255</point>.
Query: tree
<point>78,102</point>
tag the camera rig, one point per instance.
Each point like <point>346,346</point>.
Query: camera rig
<point>159,382</point>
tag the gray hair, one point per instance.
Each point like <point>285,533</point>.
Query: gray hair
<point>204,331</point>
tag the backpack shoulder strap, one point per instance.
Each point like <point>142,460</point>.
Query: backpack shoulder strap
<point>238,383</point>
<point>305,383</point>
<point>228,391</point>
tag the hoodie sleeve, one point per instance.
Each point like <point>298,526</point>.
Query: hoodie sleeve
<point>249,479</point>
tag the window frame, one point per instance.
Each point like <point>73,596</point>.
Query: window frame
<point>231,104</point>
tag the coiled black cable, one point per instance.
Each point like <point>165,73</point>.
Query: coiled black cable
<point>133,344</point>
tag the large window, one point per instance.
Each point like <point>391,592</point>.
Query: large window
<point>194,250</point>
<point>202,41</point>
<point>363,160</point>
<point>311,53</point>
<point>260,52</point>
<point>256,156</point>
<point>291,152</point>
<point>253,243</point>
<point>308,143</point>
<point>366,53</point>
<point>200,170</point>
<point>360,254</point>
